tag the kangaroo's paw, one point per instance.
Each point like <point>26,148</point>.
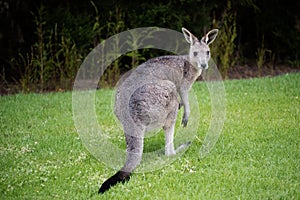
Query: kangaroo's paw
<point>183,146</point>
<point>185,117</point>
<point>184,120</point>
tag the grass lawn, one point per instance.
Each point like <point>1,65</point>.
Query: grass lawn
<point>256,157</point>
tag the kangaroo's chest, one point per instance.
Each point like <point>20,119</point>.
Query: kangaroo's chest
<point>190,73</point>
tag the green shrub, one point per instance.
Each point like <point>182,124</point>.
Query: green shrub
<point>52,61</point>
<point>261,55</point>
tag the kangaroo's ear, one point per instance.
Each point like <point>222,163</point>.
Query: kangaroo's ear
<point>190,38</point>
<point>210,36</point>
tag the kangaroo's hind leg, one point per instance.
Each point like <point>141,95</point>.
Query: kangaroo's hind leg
<point>169,128</point>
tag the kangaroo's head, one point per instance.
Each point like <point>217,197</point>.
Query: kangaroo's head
<point>199,53</point>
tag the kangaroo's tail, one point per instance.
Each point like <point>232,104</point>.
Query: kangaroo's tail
<point>120,176</point>
<point>134,151</point>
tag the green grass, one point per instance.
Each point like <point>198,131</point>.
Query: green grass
<point>256,157</point>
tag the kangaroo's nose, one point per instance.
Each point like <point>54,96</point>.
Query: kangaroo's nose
<point>203,66</point>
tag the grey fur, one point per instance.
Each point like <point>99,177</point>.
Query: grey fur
<point>148,98</point>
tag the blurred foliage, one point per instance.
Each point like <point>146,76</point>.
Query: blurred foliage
<point>42,43</point>
<point>224,49</point>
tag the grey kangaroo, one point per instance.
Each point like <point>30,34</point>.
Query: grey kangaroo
<point>148,99</point>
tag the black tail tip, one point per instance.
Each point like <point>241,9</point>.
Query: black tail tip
<point>120,176</point>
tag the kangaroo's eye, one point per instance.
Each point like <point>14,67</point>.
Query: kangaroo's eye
<point>207,53</point>
<point>195,53</point>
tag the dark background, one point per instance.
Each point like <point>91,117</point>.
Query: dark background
<point>275,23</point>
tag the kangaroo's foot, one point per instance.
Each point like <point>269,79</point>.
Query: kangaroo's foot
<point>183,146</point>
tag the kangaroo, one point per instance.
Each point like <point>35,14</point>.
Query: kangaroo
<point>148,99</point>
